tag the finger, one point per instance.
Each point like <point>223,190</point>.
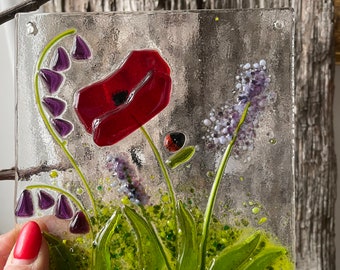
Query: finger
<point>47,223</point>
<point>7,242</point>
<point>40,263</point>
<point>29,252</point>
<point>53,225</point>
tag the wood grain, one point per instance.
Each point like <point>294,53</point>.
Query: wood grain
<point>337,31</point>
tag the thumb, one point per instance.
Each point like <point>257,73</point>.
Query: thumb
<point>30,250</point>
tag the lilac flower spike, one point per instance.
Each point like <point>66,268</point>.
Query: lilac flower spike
<point>81,50</point>
<point>251,86</point>
<point>55,106</point>
<point>127,180</point>
<point>60,61</point>
<point>62,126</point>
<point>52,79</point>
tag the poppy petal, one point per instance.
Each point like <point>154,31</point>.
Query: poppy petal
<point>132,116</point>
<point>114,107</point>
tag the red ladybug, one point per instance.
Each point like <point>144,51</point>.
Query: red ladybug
<point>174,141</point>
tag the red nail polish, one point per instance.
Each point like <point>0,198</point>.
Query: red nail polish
<point>29,241</point>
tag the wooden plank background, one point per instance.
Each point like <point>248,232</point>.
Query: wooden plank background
<point>337,31</point>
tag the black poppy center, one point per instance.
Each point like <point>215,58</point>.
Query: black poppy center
<point>120,97</point>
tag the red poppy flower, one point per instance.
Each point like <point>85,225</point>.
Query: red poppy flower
<point>116,106</point>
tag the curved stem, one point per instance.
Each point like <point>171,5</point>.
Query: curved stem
<point>164,171</point>
<point>68,195</point>
<point>214,189</point>
<point>51,43</point>
<point>61,143</point>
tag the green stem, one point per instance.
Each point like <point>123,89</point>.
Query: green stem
<point>61,143</point>
<point>214,189</point>
<point>68,195</point>
<point>164,171</point>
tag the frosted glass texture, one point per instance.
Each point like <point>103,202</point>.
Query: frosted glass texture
<point>218,60</point>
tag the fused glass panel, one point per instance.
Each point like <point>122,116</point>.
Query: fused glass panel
<point>125,123</point>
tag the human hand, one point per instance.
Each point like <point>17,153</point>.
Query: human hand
<point>24,248</point>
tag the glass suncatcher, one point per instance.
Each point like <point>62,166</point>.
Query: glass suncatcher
<point>163,138</point>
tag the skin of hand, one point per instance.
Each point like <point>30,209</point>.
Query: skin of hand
<point>24,248</point>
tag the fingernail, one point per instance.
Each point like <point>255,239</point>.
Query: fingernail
<point>29,241</point>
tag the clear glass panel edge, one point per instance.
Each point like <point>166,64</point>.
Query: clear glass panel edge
<point>213,56</point>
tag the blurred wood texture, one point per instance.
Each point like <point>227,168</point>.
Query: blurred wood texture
<point>337,31</point>
<point>314,161</point>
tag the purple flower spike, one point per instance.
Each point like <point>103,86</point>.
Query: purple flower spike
<point>52,79</point>
<point>62,126</point>
<point>79,224</point>
<point>81,50</point>
<point>128,182</point>
<point>54,105</point>
<point>63,208</point>
<point>46,200</point>
<point>251,86</point>
<point>25,205</point>
<point>60,61</point>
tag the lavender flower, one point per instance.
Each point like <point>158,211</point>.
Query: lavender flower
<point>251,86</point>
<point>126,177</point>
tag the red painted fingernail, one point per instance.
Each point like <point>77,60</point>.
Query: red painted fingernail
<point>29,241</point>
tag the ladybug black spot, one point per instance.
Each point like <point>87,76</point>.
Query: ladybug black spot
<point>174,141</point>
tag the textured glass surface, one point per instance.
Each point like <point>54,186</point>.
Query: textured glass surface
<point>219,61</point>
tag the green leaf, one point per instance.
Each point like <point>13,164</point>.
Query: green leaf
<point>101,254</point>
<point>265,258</point>
<point>60,255</point>
<point>182,156</point>
<point>188,255</point>
<point>234,256</point>
<point>152,254</point>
